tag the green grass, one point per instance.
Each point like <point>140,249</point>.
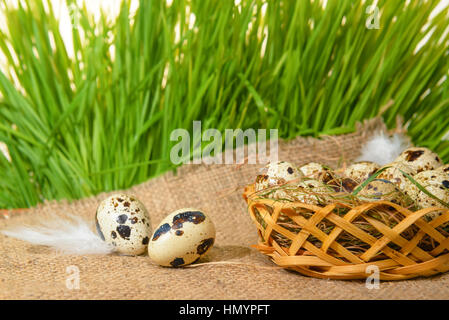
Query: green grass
<point>79,126</point>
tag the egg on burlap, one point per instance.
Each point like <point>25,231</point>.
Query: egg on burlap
<point>419,159</point>
<point>124,222</point>
<point>182,238</point>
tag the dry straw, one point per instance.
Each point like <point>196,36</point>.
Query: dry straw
<point>341,239</point>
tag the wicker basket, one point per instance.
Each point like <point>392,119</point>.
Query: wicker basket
<point>396,257</point>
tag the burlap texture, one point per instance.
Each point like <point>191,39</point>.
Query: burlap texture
<point>35,272</point>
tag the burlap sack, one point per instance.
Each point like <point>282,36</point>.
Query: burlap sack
<point>236,270</point>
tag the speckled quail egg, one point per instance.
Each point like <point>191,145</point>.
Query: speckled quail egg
<point>394,174</point>
<point>419,159</point>
<point>309,191</point>
<point>277,173</point>
<point>434,181</point>
<point>316,171</point>
<point>124,222</point>
<point>381,189</point>
<point>182,238</point>
<point>343,184</point>
<point>444,168</point>
<point>360,171</point>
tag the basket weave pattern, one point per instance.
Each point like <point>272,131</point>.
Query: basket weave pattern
<point>396,257</point>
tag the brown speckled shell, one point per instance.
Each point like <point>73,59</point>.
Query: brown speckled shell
<point>182,238</point>
<point>420,159</point>
<point>277,173</point>
<point>124,222</point>
<point>394,174</point>
<point>434,182</point>
<point>360,171</point>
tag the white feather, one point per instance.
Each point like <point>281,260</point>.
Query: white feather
<point>383,149</point>
<point>69,234</point>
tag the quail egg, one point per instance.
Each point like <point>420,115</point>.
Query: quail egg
<point>343,184</point>
<point>311,191</point>
<point>394,174</point>
<point>444,168</point>
<point>308,191</point>
<point>316,171</point>
<point>277,173</point>
<point>181,238</point>
<point>419,159</point>
<point>380,189</point>
<point>124,222</point>
<point>434,181</point>
<point>360,171</point>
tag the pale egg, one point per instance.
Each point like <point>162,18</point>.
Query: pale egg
<point>124,222</point>
<point>435,182</point>
<point>360,171</point>
<point>380,189</point>
<point>394,174</point>
<point>182,238</point>
<point>444,168</point>
<point>317,171</point>
<point>277,173</point>
<point>420,159</point>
